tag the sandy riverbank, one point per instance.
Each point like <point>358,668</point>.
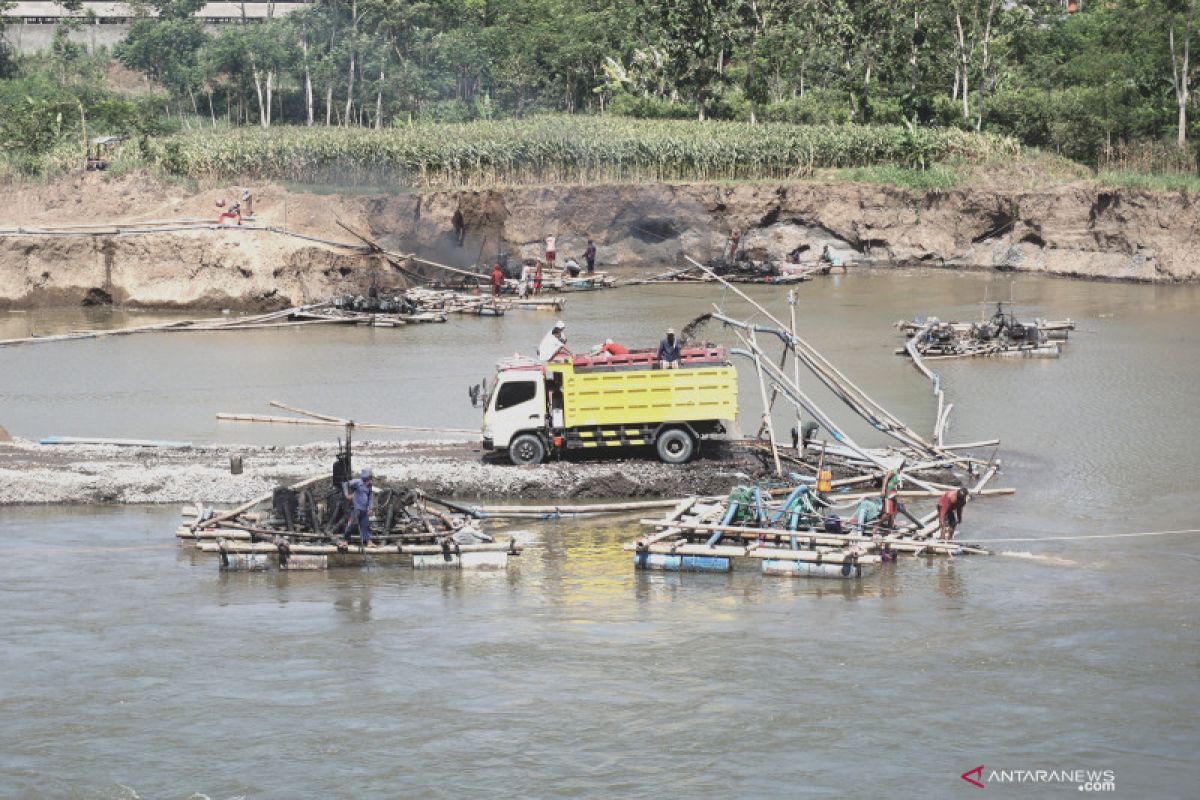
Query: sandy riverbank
<point>31,473</point>
<point>1078,229</point>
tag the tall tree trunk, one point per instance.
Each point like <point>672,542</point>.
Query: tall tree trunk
<point>264,114</point>
<point>1181,74</point>
<point>913,50</point>
<point>964,66</point>
<point>308,88</point>
<point>985,65</point>
<point>353,60</point>
<point>329,104</point>
<point>379,102</point>
<point>270,87</point>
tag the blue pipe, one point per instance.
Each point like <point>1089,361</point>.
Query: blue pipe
<point>760,507</point>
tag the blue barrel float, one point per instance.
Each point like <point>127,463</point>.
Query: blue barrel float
<point>670,563</point>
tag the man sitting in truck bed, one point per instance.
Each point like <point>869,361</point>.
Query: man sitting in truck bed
<point>554,344</point>
<point>669,351</point>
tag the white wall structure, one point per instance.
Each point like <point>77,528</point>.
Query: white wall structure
<point>31,24</point>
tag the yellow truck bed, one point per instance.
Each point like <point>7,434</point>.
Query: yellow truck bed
<point>627,397</point>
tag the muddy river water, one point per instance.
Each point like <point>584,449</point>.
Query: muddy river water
<point>129,667</point>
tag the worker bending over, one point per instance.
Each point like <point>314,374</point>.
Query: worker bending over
<point>950,510</point>
<point>669,351</point>
<point>613,349</point>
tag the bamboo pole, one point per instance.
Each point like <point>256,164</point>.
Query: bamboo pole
<point>226,417</point>
<point>302,412</point>
<point>767,420</point>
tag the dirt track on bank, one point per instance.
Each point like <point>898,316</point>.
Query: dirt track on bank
<point>31,473</point>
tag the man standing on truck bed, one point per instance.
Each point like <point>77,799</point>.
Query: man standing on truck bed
<point>554,343</point>
<point>669,352</point>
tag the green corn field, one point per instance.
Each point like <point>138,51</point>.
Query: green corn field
<point>560,149</point>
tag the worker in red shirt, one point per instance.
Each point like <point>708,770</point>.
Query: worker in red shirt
<point>950,509</point>
<point>497,280</point>
<point>614,349</point>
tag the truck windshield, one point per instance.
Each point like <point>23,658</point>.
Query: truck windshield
<point>514,393</point>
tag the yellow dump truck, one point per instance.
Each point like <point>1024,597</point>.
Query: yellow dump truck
<point>536,409</point>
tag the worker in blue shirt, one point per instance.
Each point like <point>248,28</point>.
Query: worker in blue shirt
<point>358,491</point>
<point>669,351</point>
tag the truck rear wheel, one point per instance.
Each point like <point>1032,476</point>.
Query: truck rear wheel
<point>526,449</point>
<point>675,446</point>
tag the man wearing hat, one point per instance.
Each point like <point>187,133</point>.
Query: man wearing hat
<point>669,352</point>
<point>554,343</point>
<point>358,491</point>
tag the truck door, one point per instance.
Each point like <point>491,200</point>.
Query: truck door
<point>519,404</point>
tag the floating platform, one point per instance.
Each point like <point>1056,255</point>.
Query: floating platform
<point>241,556</point>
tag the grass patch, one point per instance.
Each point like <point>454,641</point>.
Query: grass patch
<point>1156,183</point>
<point>938,176</point>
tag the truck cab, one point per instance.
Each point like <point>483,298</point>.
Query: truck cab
<point>535,409</point>
<point>515,405</point>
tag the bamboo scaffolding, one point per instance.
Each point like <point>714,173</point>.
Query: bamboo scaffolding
<point>827,373</point>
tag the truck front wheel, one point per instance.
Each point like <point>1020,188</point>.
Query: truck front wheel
<point>526,449</point>
<point>675,446</point>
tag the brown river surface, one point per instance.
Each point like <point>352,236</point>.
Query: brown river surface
<point>130,668</point>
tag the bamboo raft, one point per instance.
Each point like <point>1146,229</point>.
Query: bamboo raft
<point>1002,335</point>
<point>799,535</point>
<point>784,538</point>
<point>303,529</point>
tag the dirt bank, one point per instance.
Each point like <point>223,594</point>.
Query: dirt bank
<point>1078,229</point>
<point>86,474</point>
<point>173,267</point>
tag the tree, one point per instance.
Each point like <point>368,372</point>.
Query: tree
<point>1181,67</point>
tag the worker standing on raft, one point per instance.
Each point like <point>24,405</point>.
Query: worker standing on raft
<point>550,253</point>
<point>358,492</point>
<point>950,510</point>
<point>554,343</point>
<point>590,256</point>
<point>497,280</point>
<point>889,493</point>
<point>669,351</point>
